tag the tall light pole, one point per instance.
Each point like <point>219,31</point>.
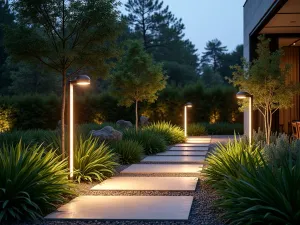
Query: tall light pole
<point>81,80</point>
<point>244,95</point>
<point>187,105</point>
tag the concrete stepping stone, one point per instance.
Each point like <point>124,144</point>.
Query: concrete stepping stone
<point>183,153</point>
<point>183,159</point>
<point>125,208</point>
<point>193,144</point>
<point>198,142</point>
<point>162,168</point>
<point>148,184</point>
<point>189,148</point>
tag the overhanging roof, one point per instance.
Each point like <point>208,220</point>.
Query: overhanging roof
<point>286,20</point>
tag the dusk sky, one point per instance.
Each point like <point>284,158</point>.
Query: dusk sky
<point>208,19</point>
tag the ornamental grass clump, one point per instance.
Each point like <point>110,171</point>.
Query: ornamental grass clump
<point>226,160</point>
<point>33,181</point>
<point>151,141</point>
<point>93,161</point>
<point>262,194</point>
<point>196,129</point>
<point>128,151</point>
<point>171,133</point>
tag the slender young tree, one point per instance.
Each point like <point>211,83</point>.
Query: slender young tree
<point>137,78</point>
<point>266,79</point>
<point>68,36</point>
<point>213,54</point>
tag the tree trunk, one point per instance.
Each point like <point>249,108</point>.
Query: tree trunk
<point>136,116</point>
<point>268,124</point>
<point>63,109</point>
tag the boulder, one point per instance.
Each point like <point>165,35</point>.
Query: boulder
<point>144,120</point>
<point>107,133</point>
<point>124,124</point>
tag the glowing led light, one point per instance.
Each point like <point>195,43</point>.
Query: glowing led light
<point>244,95</point>
<point>187,105</point>
<point>81,80</point>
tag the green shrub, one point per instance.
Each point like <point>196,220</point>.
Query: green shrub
<point>259,137</point>
<point>29,137</point>
<point>196,129</point>
<point>7,118</point>
<point>281,149</point>
<point>129,151</point>
<point>152,142</point>
<point>262,195</point>
<point>32,181</point>
<point>171,133</point>
<point>93,161</point>
<point>224,128</point>
<point>226,159</point>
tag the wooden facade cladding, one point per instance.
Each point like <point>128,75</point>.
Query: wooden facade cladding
<point>292,57</point>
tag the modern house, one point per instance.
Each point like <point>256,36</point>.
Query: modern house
<point>278,20</point>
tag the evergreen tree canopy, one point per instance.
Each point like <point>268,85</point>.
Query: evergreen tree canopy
<point>213,54</point>
<point>163,36</point>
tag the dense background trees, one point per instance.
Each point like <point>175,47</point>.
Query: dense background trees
<point>71,37</point>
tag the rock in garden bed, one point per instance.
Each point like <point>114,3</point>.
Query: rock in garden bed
<point>107,133</point>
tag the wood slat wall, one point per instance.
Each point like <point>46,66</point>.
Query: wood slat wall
<point>291,56</point>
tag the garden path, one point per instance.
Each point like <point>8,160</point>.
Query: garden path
<point>177,170</point>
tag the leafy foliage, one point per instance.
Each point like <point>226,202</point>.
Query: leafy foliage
<point>93,161</point>
<point>137,78</point>
<point>31,137</point>
<point>32,181</point>
<point>28,78</point>
<point>151,141</point>
<point>171,133</point>
<point>129,151</point>
<point>32,111</point>
<point>211,78</point>
<point>7,119</point>
<point>58,35</point>
<point>266,79</point>
<point>224,128</point>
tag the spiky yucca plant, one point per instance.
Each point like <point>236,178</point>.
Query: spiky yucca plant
<point>93,161</point>
<point>32,181</point>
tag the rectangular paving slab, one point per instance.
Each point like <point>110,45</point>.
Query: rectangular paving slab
<point>198,142</point>
<point>183,153</point>
<point>182,159</point>
<point>148,183</point>
<point>126,208</point>
<point>162,168</point>
<point>193,144</point>
<point>189,148</point>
